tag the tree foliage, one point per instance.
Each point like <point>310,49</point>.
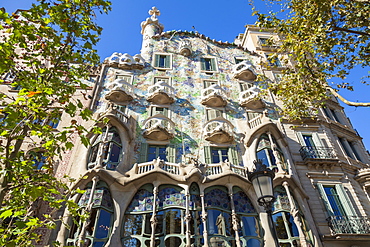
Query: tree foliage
<point>325,40</point>
<point>47,50</point>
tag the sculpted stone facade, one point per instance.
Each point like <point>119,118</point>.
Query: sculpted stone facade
<point>186,122</point>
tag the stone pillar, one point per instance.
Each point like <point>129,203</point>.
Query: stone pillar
<point>187,217</point>
<point>153,219</point>
<point>204,221</point>
<point>295,212</point>
<point>234,217</point>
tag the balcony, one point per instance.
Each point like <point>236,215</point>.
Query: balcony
<point>219,130</point>
<point>161,93</point>
<point>267,46</point>
<point>317,153</point>
<point>125,61</point>
<point>214,96</point>
<point>119,91</point>
<point>250,99</point>
<point>159,128</point>
<point>244,71</point>
<point>349,224</point>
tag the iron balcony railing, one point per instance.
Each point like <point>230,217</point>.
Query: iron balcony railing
<point>349,224</point>
<point>317,153</point>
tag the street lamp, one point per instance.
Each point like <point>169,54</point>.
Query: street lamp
<point>262,180</point>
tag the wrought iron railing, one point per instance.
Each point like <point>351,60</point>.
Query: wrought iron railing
<point>317,153</point>
<point>349,224</point>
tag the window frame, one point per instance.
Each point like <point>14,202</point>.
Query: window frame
<point>167,80</point>
<point>129,76</point>
<point>156,63</point>
<point>211,81</point>
<point>208,113</point>
<point>212,64</point>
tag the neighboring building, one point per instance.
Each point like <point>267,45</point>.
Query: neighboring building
<point>185,123</point>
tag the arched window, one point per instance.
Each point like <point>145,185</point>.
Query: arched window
<point>110,146</point>
<point>100,221</point>
<point>219,222</point>
<point>170,227</point>
<point>249,229</point>
<point>286,229</point>
<point>265,152</point>
<point>137,227</point>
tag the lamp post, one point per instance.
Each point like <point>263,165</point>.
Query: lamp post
<point>262,180</point>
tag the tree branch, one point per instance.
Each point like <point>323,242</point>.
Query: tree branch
<point>350,103</point>
<point>336,28</point>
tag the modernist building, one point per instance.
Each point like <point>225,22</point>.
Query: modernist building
<point>185,123</point>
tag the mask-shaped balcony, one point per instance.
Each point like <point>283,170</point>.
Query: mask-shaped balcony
<point>219,130</point>
<point>125,61</point>
<point>244,71</point>
<point>250,99</point>
<point>119,91</point>
<point>214,96</point>
<point>159,128</point>
<point>161,93</point>
<point>185,48</point>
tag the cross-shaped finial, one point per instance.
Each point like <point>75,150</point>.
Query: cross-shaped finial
<point>154,12</point>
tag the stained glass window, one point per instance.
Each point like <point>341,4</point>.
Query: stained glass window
<point>242,203</point>
<point>142,201</point>
<point>100,218</point>
<point>171,197</point>
<point>217,198</point>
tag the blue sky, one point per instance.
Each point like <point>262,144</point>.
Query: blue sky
<point>220,20</point>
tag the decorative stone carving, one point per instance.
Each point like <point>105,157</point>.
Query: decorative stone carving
<point>125,61</point>
<point>214,96</point>
<point>119,91</point>
<point>250,99</point>
<point>244,71</point>
<point>185,48</point>
<point>161,93</point>
<point>219,130</point>
<point>159,128</point>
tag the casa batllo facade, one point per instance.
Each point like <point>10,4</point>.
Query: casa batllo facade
<point>186,121</point>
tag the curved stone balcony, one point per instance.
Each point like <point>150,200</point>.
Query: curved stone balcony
<point>161,93</point>
<point>214,96</point>
<point>119,91</point>
<point>244,71</point>
<point>125,61</point>
<point>250,99</point>
<point>219,130</point>
<point>159,128</point>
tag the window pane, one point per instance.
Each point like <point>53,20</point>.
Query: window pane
<point>98,244</point>
<point>253,243</point>
<point>215,156</point>
<point>152,153</point>
<point>159,226</point>
<point>114,152</point>
<point>334,201</point>
<point>249,226</point>
<point>292,226</point>
<point>261,155</point>
<point>132,225</point>
<point>280,226</point>
<point>174,221</point>
<point>162,153</point>
<point>173,242</point>
<point>103,225</point>
<point>224,153</point>
<point>132,242</point>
